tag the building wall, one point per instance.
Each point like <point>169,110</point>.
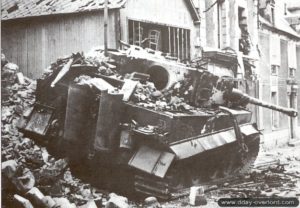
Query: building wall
<point>282,86</point>
<point>276,49</point>
<point>298,75</point>
<point>265,81</point>
<point>297,120</point>
<point>211,24</point>
<point>253,26</point>
<point>201,5</point>
<point>224,31</point>
<point>36,42</point>
<point>175,14</point>
<point>233,29</point>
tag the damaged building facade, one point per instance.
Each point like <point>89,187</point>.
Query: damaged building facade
<point>261,34</point>
<point>229,37</point>
<point>245,35</point>
<point>35,33</point>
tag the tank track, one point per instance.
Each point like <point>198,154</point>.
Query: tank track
<point>210,168</point>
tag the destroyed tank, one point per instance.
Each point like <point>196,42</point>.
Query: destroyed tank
<point>142,118</point>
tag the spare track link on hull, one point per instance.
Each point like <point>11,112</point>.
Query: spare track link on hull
<point>230,167</point>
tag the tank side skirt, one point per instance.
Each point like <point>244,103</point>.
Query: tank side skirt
<point>196,145</point>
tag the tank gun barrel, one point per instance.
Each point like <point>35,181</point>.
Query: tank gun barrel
<point>237,95</point>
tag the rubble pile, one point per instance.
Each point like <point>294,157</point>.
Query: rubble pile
<point>31,177</point>
<point>147,96</point>
<point>273,179</point>
<point>265,180</point>
<point>95,58</point>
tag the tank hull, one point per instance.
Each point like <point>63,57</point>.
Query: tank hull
<point>172,150</point>
<point>206,167</point>
<point>161,166</point>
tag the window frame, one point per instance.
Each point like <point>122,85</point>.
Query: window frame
<point>292,72</point>
<point>178,39</point>
<point>277,69</point>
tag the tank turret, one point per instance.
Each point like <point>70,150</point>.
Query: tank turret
<point>213,90</point>
<point>238,96</point>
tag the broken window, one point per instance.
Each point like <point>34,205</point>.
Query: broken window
<point>267,10</point>
<point>171,40</point>
<point>244,39</point>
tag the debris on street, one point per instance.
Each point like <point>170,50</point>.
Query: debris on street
<point>33,177</point>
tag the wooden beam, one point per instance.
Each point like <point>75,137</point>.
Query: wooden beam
<point>178,43</point>
<point>169,33</point>
<point>118,35</point>
<point>185,41</point>
<point>188,44</point>
<point>182,44</point>
<point>105,26</point>
<point>139,34</point>
<point>174,40</point>
<point>133,33</point>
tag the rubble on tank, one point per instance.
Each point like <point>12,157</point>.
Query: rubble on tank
<point>145,93</point>
<point>32,177</point>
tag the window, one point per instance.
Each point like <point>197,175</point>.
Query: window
<point>272,11</point>
<point>172,40</point>
<point>272,17</point>
<point>244,36</point>
<point>266,10</point>
<point>274,69</point>
<point>275,114</point>
<point>292,72</point>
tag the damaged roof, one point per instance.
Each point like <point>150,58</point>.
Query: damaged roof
<point>12,9</point>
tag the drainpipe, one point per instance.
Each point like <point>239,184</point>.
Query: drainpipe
<point>257,114</point>
<point>105,26</point>
<point>293,132</point>
<point>293,121</point>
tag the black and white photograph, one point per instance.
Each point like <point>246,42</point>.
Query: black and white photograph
<point>150,103</point>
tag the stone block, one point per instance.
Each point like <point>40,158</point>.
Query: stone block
<point>116,201</point>
<point>197,196</point>
<point>9,168</point>
<point>151,202</point>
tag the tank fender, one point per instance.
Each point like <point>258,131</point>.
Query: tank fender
<point>193,146</point>
<point>152,161</point>
<point>249,130</point>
